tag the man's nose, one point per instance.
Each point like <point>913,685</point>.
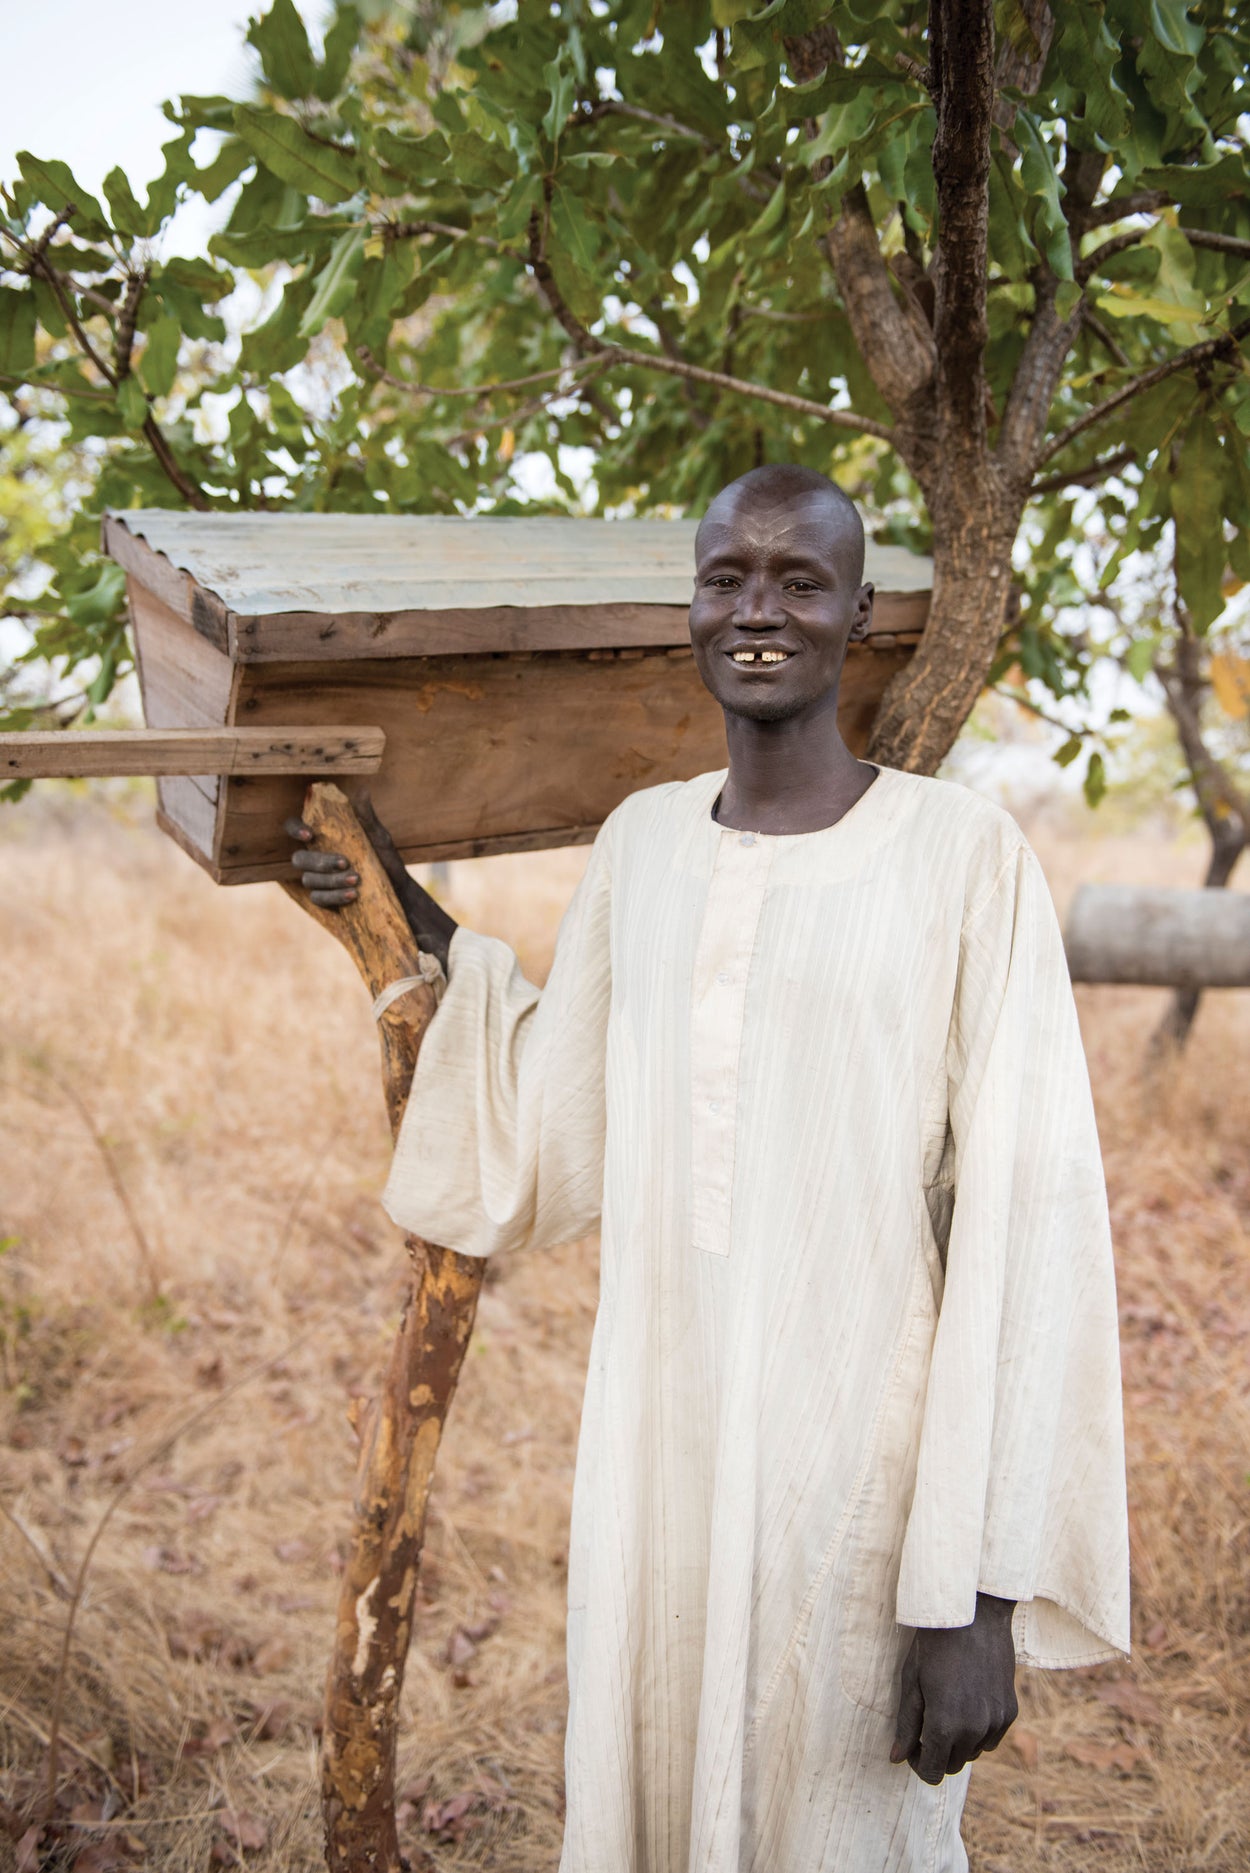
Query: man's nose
<point>759,606</point>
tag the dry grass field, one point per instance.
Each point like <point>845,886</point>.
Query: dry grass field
<point>196,1278</point>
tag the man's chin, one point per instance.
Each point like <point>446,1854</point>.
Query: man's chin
<point>760,706</point>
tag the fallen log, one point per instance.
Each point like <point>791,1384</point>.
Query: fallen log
<point>1165,938</point>
<point>400,1430</point>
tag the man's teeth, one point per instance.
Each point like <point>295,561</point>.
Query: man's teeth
<point>760,656</point>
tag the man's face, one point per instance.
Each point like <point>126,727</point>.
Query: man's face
<point>776,601</point>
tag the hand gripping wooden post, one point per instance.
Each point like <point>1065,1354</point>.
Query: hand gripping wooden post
<point>399,1430</point>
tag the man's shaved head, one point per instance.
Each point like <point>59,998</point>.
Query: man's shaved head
<point>782,486</point>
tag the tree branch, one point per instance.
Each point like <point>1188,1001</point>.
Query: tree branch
<point>1222,243</point>
<point>187,487</point>
<point>1036,377</point>
<point>1087,477</point>
<point>720,380</point>
<point>412,230</point>
<point>459,390</point>
<point>1223,346</point>
<point>1118,208</point>
<point>892,339</point>
<point>1107,339</point>
<point>961,61</point>
<point>57,282</point>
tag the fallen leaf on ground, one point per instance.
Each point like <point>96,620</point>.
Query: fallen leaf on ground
<point>242,1830</point>
<point>460,1648</point>
<point>28,1850</point>
<point>216,1736</point>
<point>1026,1745</point>
<point>171,1561</point>
<point>274,1655</point>
<point>451,1819</point>
<point>1120,1756</point>
<point>1130,1700</point>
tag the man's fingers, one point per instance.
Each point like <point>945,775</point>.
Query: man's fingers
<point>296,829</point>
<point>321,862</point>
<point>930,1759</point>
<point>326,897</point>
<point>910,1717</point>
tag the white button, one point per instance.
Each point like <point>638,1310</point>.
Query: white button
<point>723,976</point>
<point>713,1105</point>
<point>748,838</point>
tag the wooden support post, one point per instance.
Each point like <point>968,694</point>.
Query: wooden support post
<point>400,1430</point>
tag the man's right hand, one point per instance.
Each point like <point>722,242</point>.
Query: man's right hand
<point>331,882</point>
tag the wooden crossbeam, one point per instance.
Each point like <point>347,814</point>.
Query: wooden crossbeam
<point>93,753</point>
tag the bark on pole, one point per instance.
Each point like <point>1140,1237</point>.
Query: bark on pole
<point>399,1430</point>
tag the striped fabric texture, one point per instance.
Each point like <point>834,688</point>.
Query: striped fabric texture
<point>856,1352</point>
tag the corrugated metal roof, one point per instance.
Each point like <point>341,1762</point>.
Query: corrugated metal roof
<point>263,564</point>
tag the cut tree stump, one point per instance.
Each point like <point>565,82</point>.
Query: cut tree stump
<point>400,1430</point>
<point>1159,936</point>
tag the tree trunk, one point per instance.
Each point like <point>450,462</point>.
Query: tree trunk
<point>1224,807</point>
<point>1174,1029</point>
<point>400,1430</point>
<point>929,701</point>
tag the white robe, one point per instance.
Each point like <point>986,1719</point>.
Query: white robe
<point>856,1352</point>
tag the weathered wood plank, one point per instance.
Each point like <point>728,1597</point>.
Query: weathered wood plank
<point>506,628</point>
<point>88,753</point>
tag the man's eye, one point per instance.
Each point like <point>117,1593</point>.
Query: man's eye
<point>802,585</point>
<point>724,580</point>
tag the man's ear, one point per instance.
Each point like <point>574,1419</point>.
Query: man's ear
<point>861,623</point>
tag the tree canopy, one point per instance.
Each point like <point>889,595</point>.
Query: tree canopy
<point>972,258</point>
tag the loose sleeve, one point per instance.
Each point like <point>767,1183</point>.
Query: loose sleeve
<point>502,1141</point>
<point>1020,1488</point>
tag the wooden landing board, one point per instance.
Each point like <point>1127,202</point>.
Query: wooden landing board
<point>94,753</point>
<point>270,588</point>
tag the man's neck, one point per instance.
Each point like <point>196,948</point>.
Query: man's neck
<point>796,775</point>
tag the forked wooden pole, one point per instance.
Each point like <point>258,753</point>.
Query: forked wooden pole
<point>400,1430</point>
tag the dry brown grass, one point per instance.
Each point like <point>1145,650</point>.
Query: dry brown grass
<point>210,1053</point>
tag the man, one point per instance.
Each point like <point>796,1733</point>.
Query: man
<point>808,1054</point>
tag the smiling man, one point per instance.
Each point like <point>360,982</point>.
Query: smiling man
<point>852,1436</point>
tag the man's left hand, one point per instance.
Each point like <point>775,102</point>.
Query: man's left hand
<point>958,1692</point>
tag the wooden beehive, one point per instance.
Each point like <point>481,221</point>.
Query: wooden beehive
<point>528,673</point>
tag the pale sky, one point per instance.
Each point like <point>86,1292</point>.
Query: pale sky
<point>86,80</point>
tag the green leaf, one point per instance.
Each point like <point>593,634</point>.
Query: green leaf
<point>288,152</point>
<point>1095,782</point>
<point>562,87</point>
<point>262,246</point>
<point>285,55</point>
<point>132,403</point>
<point>55,185</point>
<point>340,43</point>
<point>1040,177</point>
<point>128,217</point>
<point>1198,511</point>
<point>159,364</point>
<point>227,166</point>
<point>17,331</point>
<point>1139,658</point>
<point>336,282</point>
<point>1065,756</point>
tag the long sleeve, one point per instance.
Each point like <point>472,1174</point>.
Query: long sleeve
<point>502,1141</point>
<point>1020,1488</point>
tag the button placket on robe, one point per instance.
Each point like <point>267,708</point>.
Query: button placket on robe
<point>731,915</point>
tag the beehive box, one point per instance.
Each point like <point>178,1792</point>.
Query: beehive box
<point>528,673</point>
